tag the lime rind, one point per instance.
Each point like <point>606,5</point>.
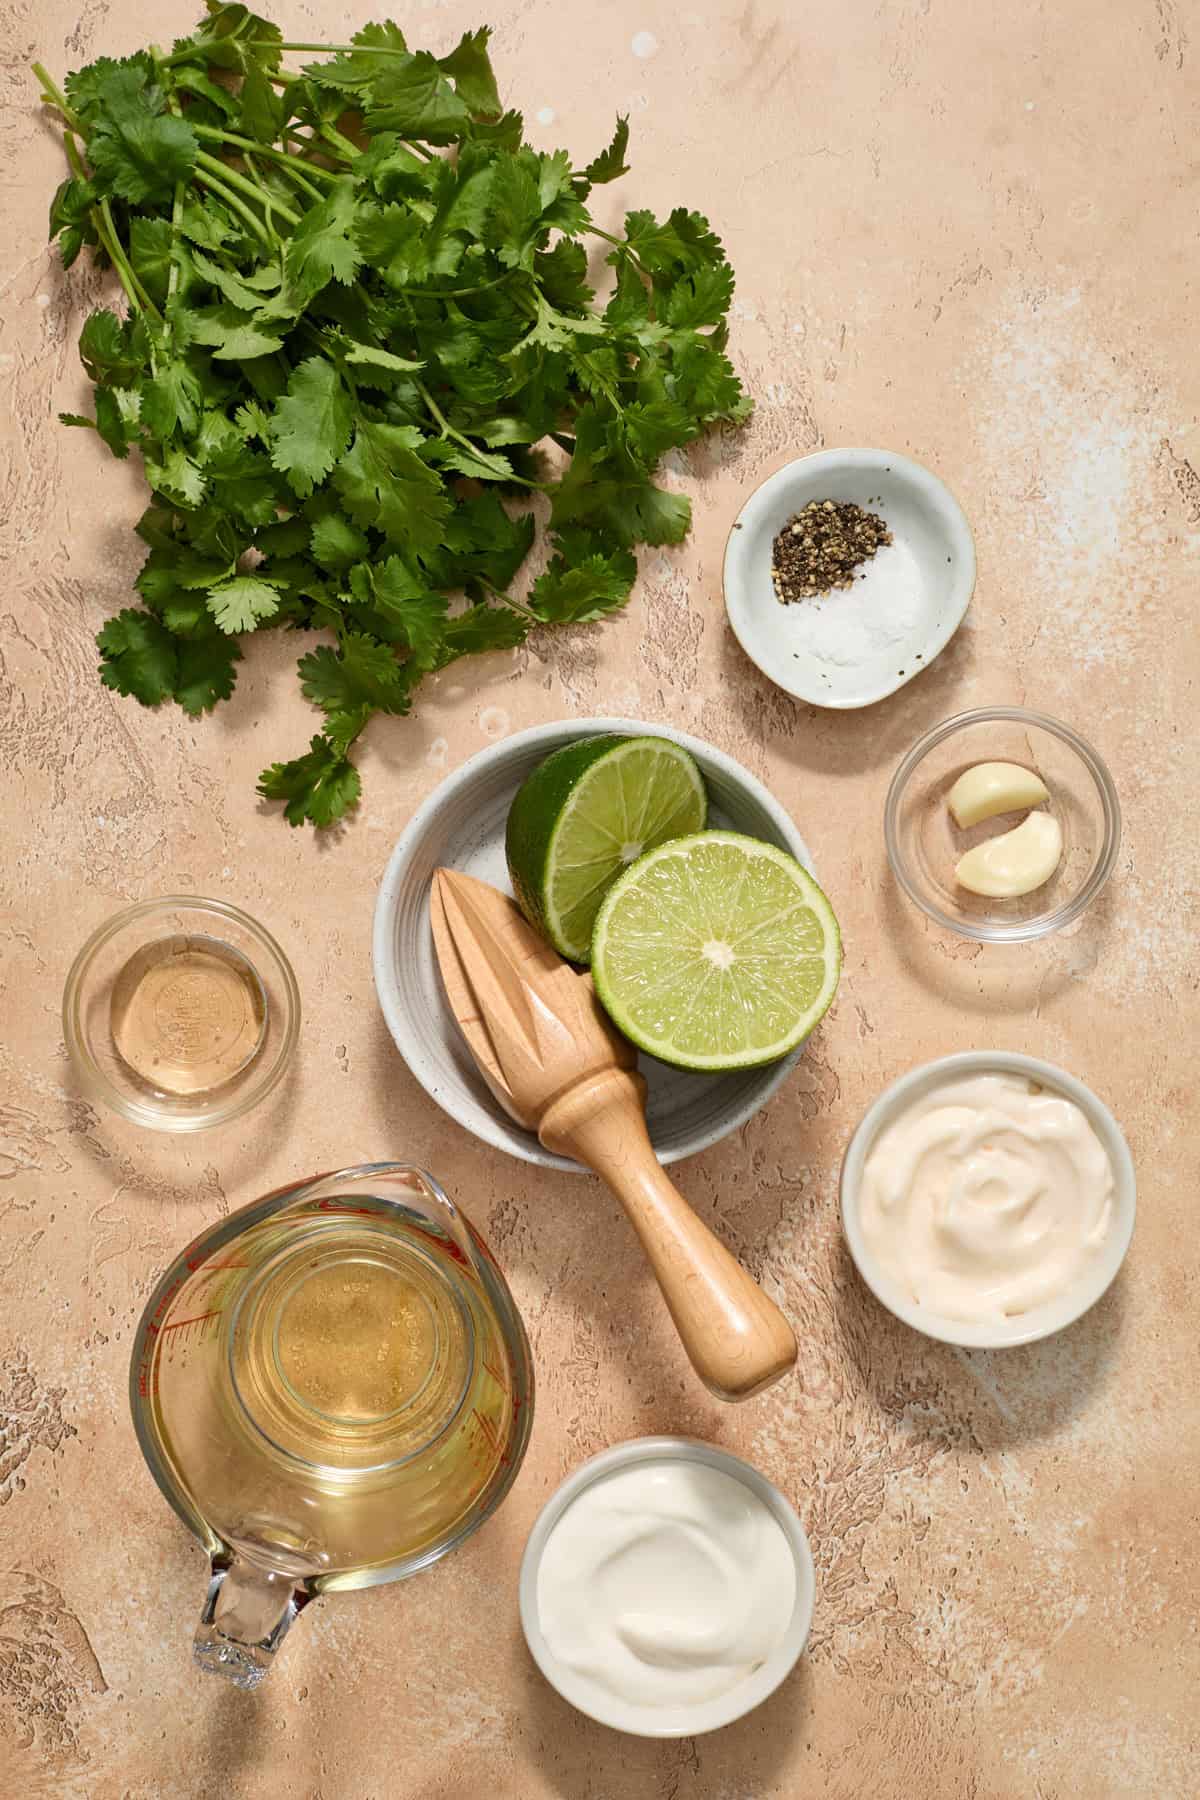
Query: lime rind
<point>583,814</point>
<point>716,952</point>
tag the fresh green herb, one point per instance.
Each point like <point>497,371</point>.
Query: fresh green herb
<point>343,354</point>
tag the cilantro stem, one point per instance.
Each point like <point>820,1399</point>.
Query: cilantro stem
<point>252,189</point>
<point>447,430</point>
<point>269,201</point>
<point>236,206</point>
<point>283,157</point>
<point>53,95</point>
<point>346,150</point>
<point>624,245</point>
<point>176,216</point>
<point>124,267</point>
<point>327,49</point>
<point>105,227</point>
<point>428,293</point>
<point>517,606</point>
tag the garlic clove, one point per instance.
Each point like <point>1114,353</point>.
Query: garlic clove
<point>1016,862</point>
<point>994,787</point>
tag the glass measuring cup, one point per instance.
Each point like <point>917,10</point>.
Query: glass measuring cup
<point>333,1388</point>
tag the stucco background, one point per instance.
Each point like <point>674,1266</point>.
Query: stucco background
<point>964,231</point>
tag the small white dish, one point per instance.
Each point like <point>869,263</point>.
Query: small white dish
<point>855,645</point>
<point>1040,1321</point>
<point>710,1715</point>
<point>461,826</point>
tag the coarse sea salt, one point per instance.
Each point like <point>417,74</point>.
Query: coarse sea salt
<point>878,612</point>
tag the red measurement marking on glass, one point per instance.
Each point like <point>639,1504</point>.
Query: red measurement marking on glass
<point>336,1206</point>
<point>196,1319</point>
<point>488,1430</point>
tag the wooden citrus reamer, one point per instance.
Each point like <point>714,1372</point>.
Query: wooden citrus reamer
<point>556,1063</point>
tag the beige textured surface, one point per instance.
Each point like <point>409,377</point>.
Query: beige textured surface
<point>965,231</point>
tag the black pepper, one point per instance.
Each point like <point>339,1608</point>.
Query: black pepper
<point>822,546</point>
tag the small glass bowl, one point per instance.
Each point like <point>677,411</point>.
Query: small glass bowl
<point>261,1022</point>
<point>924,844</point>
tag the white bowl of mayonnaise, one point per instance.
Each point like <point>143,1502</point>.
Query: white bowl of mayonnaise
<point>988,1199</point>
<point>666,1588</point>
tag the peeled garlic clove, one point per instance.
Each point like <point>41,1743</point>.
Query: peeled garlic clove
<point>994,787</point>
<point>1014,863</point>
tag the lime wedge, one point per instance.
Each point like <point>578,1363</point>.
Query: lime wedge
<point>716,952</point>
<point>586,813</point>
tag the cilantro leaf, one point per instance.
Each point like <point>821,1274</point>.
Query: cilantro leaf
<point>171,400</point>
<point>176,477</point>
<point>701,298</point>
<point>312,424</point>
<point>112,350</point>
<point>233,37</point>
<point>589,589</point>
<point>610,165</point>
<point>321,248</point>
<point>353,71</point>
<point>228,283</point>
<point>207,672</point>
<point>385,484</point>
<point>138,656</point>
<point>153,252</point>
<point>118,413</point>
<point>371,356</point>
<point>704,382</point>
<point>653,427</point>
<point>515,222</point>
<point>482,628</point>
<point>320,786</point>
<point>135,152</point>
<point>416,100</point>
<point>234,335</point>
<point>362,672</point>
<point>242,603</point>
<point>406,611</point>
<point>336,543</point>
<point>262,111</point>
<point>474,80</point>
<point>682,242</point>
<point>71,218</point>
<point>482,465</point>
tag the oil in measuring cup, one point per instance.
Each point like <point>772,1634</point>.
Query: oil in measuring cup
<point>335,1385</point>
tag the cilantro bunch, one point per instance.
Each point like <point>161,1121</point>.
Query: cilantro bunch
<point>358,302</point>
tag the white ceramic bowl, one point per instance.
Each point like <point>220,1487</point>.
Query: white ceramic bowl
<point>854,645</point>
<point>710,1715</point>
<point>461,826</point>
<point>1040,1321</point>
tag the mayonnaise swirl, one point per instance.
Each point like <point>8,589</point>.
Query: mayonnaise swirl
<point>986,1197</point>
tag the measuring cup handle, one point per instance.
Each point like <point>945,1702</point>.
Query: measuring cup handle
<point>246,1615</point>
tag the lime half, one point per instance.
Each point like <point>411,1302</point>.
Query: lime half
<point>586,813</point>
<point>716,952</point>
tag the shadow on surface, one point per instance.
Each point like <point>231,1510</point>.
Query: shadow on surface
<point>991,978</point>
<point>234,1740</point>
<point>580,1759</point>
<point>851,742</point>
<point>979,1400</point>
<point>122,1159</point>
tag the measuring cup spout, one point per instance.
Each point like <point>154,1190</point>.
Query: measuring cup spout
<point>247,1611</point>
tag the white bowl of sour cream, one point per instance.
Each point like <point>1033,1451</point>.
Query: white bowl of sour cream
<point>988,1199</point>
<point>666,1588</point>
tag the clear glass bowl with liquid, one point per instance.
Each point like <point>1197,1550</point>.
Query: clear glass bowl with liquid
<point>181,1013</point>
<point>333,1388</point>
